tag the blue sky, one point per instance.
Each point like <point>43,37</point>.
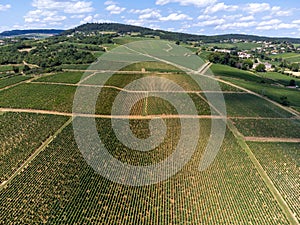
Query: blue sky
<point>270,18</point>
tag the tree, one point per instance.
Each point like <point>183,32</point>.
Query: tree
<point>292,83</point>
<point>284,101</point>
<point>16,69</point>
<point>260,68</point>
<point>26,68</point>
<point>295,67</point>
<point>247,64</point>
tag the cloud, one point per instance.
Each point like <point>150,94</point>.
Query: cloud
<point>236,25</point>
<point>175,17</point>
<point>40,16</point>
<point>114,9</point>
<point>4,7</point>
<point>141,11</point>
<point>254,8</point>
<point>277,26</point>
<point>247,18</point>
<point>296,22</point>
<point>210,23</point>
<point>276,10</point>
<point>153,15</point>
<point>270,22</point>
<point>71,6</point>
<point>198,3</point>
<point>220,7</point>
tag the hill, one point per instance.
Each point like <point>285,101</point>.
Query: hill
<point>124,29</point>
<point>30,32</point>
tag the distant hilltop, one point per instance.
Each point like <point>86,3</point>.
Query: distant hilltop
<point>123,29</point>
<point>31,32</point>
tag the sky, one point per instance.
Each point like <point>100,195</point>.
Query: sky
<point>275,18</point>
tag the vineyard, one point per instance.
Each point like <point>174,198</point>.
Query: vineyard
<point>71,191</point>
<point>47,178</point>
<point>281,128</point>
<point>20,134</point>
<point>281,161</point>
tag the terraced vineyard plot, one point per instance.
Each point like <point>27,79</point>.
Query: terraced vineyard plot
<point>247,105</point>
<point>152,67</point>
<point>75,66</point>
<point>272,92</point>
<point>281,128</point>
<point>20,135</point>
<point>66,77</point>
<point>12,80</point>
<point>38,96</point>
<point>59,187</point>
<point>282,163</point>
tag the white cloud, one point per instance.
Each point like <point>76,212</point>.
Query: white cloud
<point>176,17</point>
<point>141,11</point>
<point>265,27</point>
<point>40,16</point>
<point>210,23</point>
<point>151,15</point>
<point>276,10</point>
<point>110,3</point>
<point>270,22</point>
<point>69,6</point>
<point>206,17</point>
<point>235,25</point>
<point>296,22</point>
<point>253,8</point>
<point>287,26</point>
<point>114,9</point>
<point>198,3</point>
<point>87,19</point>
<point>5,7</point>
<point>220,7</point>
<point>247,18</point>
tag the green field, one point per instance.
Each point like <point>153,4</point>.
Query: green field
<point>283,79</point>
<point>281,128</point>
<point>45,178</point>
<point>290,57</point>
<point>239,46</point>
<point>272,92</point>
<point>72,191</point>
<point>20,135</point>
<point>65,77</point>
<point>247,105</point>
<point>281,161</point>
<point>227,71</point>
<point>38,96</point>
<point>12,80</point>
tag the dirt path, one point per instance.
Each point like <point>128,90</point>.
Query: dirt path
<point>163,116</point>
<point>14,85</point>
<point>272,139</point>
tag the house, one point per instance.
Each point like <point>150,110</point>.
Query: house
<point>223,50</point>
<point>244,55</point>
<point>267,65</point>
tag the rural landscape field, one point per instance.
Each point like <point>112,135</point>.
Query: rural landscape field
<point>109,123</point>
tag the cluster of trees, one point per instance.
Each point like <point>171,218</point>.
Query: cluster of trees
<point>231,60</point>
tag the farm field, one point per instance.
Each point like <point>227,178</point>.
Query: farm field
<point>290,57</point>
<point>283,79</point>
<point>12,80</point>
<point>280,128</point>
<point>20,134</point>
<point>281,161</point>
<point>46,179</point>
<point>65,77</point>
<point>72,191</point>
<point>247,105</point>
